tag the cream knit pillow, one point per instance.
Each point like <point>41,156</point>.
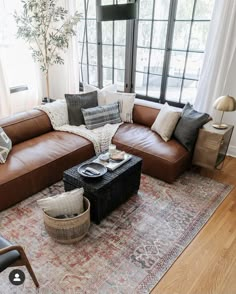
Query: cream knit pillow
<point>67,203</point>
<point>166,121</point>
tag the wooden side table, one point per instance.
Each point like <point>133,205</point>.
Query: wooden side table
<point>211,146</point>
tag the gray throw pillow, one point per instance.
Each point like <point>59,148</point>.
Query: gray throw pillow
<point>5,146</point>
<point>100,116</point>
<point>187,128</point>
<point>77,101</point>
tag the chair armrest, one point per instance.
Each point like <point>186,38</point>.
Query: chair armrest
<point>11,248</point>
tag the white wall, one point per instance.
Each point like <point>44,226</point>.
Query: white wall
<point>230,117</point>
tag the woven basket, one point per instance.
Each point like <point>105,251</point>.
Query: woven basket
<point>69,230</point>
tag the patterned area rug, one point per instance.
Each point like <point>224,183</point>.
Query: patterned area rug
<point>128,252</point>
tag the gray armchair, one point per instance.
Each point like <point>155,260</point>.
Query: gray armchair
<point>14,255</point>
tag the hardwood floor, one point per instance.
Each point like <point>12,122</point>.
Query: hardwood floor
<point>208,265</point>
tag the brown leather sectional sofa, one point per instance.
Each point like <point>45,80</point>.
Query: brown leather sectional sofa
<point>40,155</point>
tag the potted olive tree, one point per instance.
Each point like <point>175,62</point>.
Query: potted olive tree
<point>47,28</point>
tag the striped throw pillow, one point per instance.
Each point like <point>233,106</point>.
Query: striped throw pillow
<point>99,116</point>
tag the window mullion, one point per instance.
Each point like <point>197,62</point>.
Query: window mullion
<point>187,50</point>
<point>168,47</point>
<point>113,51</point>
<point>150,48</point>
<point>82,54</point>
<point>99,52</point>
<point>82,49</point>
<point>113,46</point>
<point>129,55</point>
<point>86,33</point>
<point>134,50</point>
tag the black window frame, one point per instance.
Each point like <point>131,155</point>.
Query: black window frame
<point>131,52</point>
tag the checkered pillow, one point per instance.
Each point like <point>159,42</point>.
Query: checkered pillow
<point>5,146</point>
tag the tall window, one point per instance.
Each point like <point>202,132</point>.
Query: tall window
<point>113,53</point>
<point>158,56</point>
<point>152,28</point>
<point>88,42</point>
<point>102,47</point>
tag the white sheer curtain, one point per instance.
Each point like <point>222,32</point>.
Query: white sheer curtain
<point>17,67</point>
<point>5,105</point>
<point>72,56</point>
<point>65,78</point>
<point>220,55</point>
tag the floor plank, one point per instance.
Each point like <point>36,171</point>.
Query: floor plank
<point>208,265</point>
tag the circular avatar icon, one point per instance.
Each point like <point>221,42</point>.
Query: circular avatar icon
<point>17,277</point>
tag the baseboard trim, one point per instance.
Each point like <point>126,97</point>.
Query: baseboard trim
<point>232,151</point>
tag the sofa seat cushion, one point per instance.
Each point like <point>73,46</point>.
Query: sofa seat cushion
<point>30,164</point>
<point>163,160</point>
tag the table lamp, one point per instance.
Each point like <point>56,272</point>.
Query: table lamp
<point>224,103</point>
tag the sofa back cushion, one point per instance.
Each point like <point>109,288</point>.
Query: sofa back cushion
<point>144,115</point>
<point>145,112</point>
<point>26,125</point>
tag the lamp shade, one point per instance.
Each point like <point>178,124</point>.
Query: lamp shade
<point>225,103</point>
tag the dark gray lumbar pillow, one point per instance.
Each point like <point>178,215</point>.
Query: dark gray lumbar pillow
<point>5,146</point>
<point>75,102</point>
<point>187,128</point>
<point>101,115</point>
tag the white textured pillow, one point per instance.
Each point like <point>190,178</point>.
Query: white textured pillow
<point>5,146</point>
<point>166,121</point>
<point>101,92</point>
<point>126,104</point>
<point>66,203</point>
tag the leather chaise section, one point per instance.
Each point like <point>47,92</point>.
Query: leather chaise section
<point>37,163</point>
<point>163,160</point>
